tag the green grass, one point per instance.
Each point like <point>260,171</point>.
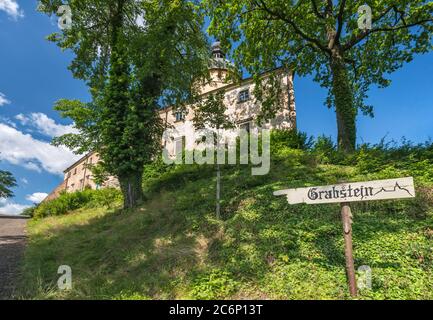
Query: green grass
<point>173,247</point>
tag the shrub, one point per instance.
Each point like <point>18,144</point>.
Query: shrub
<point>290,139</point>
<point>29,211</point>
<point>326,150</point>
<point>108,197</point>
<point>415,159</point>
<point>72,201</point>
<point>423,203</point>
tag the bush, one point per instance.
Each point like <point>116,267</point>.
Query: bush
<point>290,139</point>
<point>108,197</point>
<point>72,201</point>
<point>423,203</point>
<point>326,150</point>
<point>28,211</point>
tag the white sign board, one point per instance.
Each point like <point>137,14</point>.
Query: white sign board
<point>350,192</point>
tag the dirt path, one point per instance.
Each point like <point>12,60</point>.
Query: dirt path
<point>12,243</point>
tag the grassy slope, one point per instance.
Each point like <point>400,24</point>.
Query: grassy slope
<point>173,247</point>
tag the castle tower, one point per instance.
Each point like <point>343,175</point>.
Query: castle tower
<point>218,68</point>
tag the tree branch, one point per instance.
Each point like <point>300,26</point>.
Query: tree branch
<point>316,10</point>
<point>340,21</point>
<point>329,8</point>
<point>355,39</point>
<point>295,27</point>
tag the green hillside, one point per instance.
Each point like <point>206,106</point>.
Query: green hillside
<point>261,248</point>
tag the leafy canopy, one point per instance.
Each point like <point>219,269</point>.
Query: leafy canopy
<point>304,35</point>
<point>7,181</point>
<point>162,43</point>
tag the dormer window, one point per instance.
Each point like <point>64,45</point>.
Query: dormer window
<point>243,96</point>
<point>179,116</point>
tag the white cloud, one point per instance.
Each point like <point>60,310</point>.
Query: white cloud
<point>45,125</point>
<point>23,150</point>
<point>21,118</point>
<point>3,100</point>
<point>11,208</point>
<point>32,166</point>
<point>11,8</point>
<point>37,197</point>
<point>24,180</point>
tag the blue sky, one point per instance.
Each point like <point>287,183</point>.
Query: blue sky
<point>33,75</point>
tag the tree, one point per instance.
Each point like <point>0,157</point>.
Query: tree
<point>7,181</point>
<point>324,38</point>
<point>133,55</point>
<point>210,113</point>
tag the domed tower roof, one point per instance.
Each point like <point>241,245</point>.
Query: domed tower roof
<point>218,60</point>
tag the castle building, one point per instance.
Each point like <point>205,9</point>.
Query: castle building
<point>241,106</point>
<point>239,100</point>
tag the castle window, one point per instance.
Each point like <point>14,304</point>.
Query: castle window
<point>179,116</point>
<point>75,171</point>
<point>244,95</point>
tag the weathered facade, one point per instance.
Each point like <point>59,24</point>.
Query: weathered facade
<point>239,100</point>
<point>79,177</point>
<point>241,106</point>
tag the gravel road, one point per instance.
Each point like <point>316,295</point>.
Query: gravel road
<point>12,244</point>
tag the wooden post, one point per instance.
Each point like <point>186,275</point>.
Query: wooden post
<point>344,193</point>
<point>346,217</point>
<point>218,192</point>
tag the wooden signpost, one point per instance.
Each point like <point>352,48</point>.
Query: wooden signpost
<point>344,194</point>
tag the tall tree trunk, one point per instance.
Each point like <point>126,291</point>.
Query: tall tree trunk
<point>344,105</point>
<point>131,186</point>
<point>117,109</point>
<point>218,192</point>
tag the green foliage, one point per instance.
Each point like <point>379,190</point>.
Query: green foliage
<point>30,212</point>
<point>412,159</point>
<point>211,113</point>
<point>99,173</point>
<point>7,181</point>
<point>217,284</point>
<point>108,198</point>
<point>322,38</point>
<point>326,151</point>
<point>423,202</point>
<point>67,202</point>
<point>130,69</point>
<point>153,172</point>
<point>261,248</point>
<point>281,139</point>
